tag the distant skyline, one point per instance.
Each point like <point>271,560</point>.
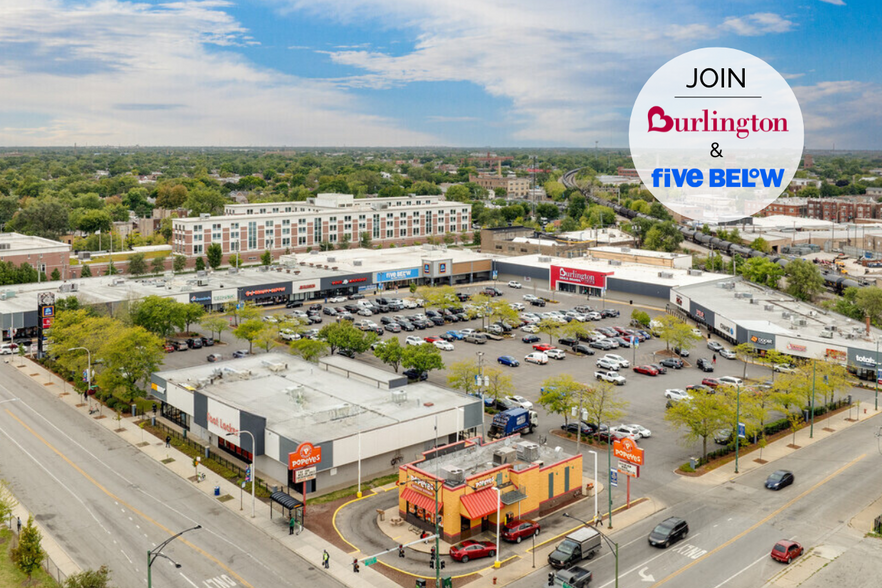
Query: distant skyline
<point>506,73</point>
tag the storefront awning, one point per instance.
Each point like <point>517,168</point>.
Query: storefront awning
<point>421,500</point>
<point>480,504</point>
<point>512,497</point>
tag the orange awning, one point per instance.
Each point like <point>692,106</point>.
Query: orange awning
<point>480,504</point>
<point>421,500</point>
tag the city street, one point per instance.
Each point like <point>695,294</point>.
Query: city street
<point>106,503</point>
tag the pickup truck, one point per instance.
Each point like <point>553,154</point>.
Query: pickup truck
<point>612,377</point>
<point>511,421</point>
<point>580,544</point>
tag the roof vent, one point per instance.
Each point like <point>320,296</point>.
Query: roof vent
<point>331,259</point>
<point>694,272</point>
<point>785,315</point>
<point>399,396</point>
<point>768,307</point>
<point>357,262</point>
<point>615,262</point>
<point>666,275</point>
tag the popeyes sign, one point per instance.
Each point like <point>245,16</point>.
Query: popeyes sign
<point>577,276</point>
<point>628,451</point>
<point>306,455</point>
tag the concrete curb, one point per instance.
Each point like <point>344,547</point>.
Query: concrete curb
<point>53,550</point>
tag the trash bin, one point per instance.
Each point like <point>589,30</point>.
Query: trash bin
<point>420,583</point>
<point>217,490</point>
<point>693,461</point>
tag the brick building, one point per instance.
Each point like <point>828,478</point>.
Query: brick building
<point>514,187</point>
<point>285,227</point>
<point>43,254</point>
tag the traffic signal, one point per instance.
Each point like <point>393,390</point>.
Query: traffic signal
<point>195,462</point>
<point>441,563</point>
<point>551,578</point>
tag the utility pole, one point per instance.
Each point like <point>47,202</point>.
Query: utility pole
<point>812,427</point>
<point>737,423</point>
<point>435,514</point>
<point>609,473</point>
<point>481,389</point>
<point>876,373</point>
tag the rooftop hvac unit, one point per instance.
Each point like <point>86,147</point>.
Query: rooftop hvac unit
<point>527,451</point>
<point>728,285</point>
<point>768,307</point>
<point>738,294</point>
<point>118,282</point>
<point>747,295</point>
<point>68,287</point>
<point>665,275</point>
<point>7,294</point>
<point>504,455</point>
<point>357,262</point>
<point>201,273</point>
<point>204,215</point>
<point>626,249</point>
<point>202,282</point>
<point>263,268</point>
<point>399,396</point>
<point>694,272</point>
<point>785,315</point>
<point>615,262</point>
<point>544,259</point>
<point>273,366</point>
<point>313,253</point>
<point>752,301</point>
<point>233,270</point>
<point>332,259</point>
<point>801,322</point>
<point>453,474</point>
<point>84,255</point>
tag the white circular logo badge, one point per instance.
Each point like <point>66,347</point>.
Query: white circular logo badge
<point>716,134</point>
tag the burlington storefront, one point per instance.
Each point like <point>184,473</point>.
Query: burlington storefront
<point>470,504</point>
<point>578,281</point>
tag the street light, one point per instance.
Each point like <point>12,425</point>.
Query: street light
<point>595,483</point>
<point>154,553</point>
<point>88,370</point>
<point>253,471</point>
<point>496,564</point>
<point>737,423</point>
<point>609,542</point>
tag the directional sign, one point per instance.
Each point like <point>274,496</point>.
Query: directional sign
<point>370,561</point>
<point>629,469</point>
<point>741,431</point>
<point>614,478</point>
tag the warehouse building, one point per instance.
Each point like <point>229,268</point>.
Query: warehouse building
<point>353,417</point>
<point>478,485</point>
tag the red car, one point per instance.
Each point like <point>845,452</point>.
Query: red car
<point>432,339</point>
<point>519,529</point>
<point>646,369</point>
<point>472,550</point>
<point>543,347</point>
<point>621,331</point>
<point>712,382</point>
<point>786,551</point>
<point>168,348</point>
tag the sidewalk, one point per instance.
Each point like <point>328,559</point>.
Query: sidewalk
<point>305,544</point>
<point>54,551</point>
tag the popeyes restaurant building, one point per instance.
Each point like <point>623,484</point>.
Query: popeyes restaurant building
<point>475,484</point>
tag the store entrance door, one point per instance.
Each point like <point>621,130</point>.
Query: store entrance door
<point>485,524</point>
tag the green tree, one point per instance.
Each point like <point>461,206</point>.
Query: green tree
<point>266,257</point>
<point>641,317</point>
<point>191,313</point>
<point>215,255</point>
<point>577,205</point>
<point>56,275</point>
<point>42,217</point>
<point>344,242</point>
<point>461,375</point>
<point>344,336</point>
<point>158,315</point>
<point>390,352</point>
<point>130,355</point>
<point>236,260</point>
<point>157,266</point>
<point>422,358</point>
<point>663,236</point>
<point>762,271</point>
<point>7,501</point>
<point>804,279</point>
<point>202,200</point>
<point>676,333</point>
<point>249,330</point>
<point>760,244</point>
<point>550,327</point>
<point>28,554</point>
<point>309,349</point>
<point>557,393</point>
<point>86,272</point>
<point>200,264</point>
<point>698,418</point>
<point>99,578</point>
<point>869,301</point>
<point>137,264</point>
<point>266,338</point>
<point>179,263</point>
<point>603,403</point>
<point>458,193</point>
<point>215,324</point>
<point>501,384</point>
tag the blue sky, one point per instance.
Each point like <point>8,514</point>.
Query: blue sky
<point>407,72</point>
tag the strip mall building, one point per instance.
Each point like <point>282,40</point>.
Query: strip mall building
<point>510,478</point>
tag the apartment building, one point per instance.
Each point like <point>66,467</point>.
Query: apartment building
<point>284,227</point>
<point>514,187</point>
<point>845,209</point>
<point>45,255</point>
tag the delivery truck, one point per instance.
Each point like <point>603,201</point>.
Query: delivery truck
<point>580,544</point>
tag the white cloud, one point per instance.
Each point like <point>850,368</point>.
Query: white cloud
<point>835,2</point>
<point>452,119</point>
<point>116,72</point>
<point>843,112</point>
<point>761,23</point>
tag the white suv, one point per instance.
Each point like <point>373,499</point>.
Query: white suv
<point>618,359</point>
<point>608,364</point>
<point>516,285</point>
<point>412,340</point>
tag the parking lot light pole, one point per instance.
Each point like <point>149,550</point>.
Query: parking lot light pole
<point>152,554</point>
<point>737,423</point>
<point>812,426</point>
<point>253,470</point>
<point>496,564</point>
<point>609,542</point>
<point>876,373</point>
<point>609,474</point>
<point>596,512</point>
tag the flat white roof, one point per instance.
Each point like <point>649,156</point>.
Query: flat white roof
<point>17,244</point>
<point>640,252</point>
<point>389,258</point>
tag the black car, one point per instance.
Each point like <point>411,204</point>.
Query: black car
<point>412,374</point>
<point>568,341</point>
<point>537,302</point>
<point>438,321</point>
<point>779,479</point>
<point>356,296</point>
<point>294,304</point>
<point>505,328</point>
<point>353,308</point>
<point>681,352</point>
<point>609,313</point>
<point>463,296</point>
<point>505,404</point>
<point>421,323</point>
<point>672,362</point>
<point>346,353</point>
<point>329,311</point>
<point>530,338</point>
<point>583,309</point>
<point>315,306</point>
<point>194,343</point>
<point>659,368</point>
<point>668,531</point>
<point>602,345</point>
<point>407,326</point>
<point>315,319</point>
<point>704,364</point>
<point>386,320</point>
<point>207,341</point>
<point>587,429</point>
<point>382,307</point>
<point>583,349</point>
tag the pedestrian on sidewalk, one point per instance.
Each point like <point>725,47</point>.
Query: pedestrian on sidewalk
<point>291,524</point>
<point>167,441</point>
<point>355,565</point>
<point>326,560</point>
<point>715,359</point>
<point>400,550</point>
<point>18,524</point>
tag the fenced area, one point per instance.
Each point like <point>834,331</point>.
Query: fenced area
<point>48,565</point>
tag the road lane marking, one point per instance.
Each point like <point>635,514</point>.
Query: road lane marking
<point>761,522</point>
<point>641,566</point>
<point>189,580</point>
<point>110,494</point>
<point>738,573</point>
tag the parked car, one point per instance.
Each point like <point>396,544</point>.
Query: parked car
<point>602,344</point>
<point>779,479</point>
<point>710,382</point>
<point>583,349</point>
<point>567,341</point>
<point>604,434</point>
<point>476,338</point>
<point>520,402</point>
<point>786,551</point>
<point>784,368</point>
<point>213,357</point>
<point>194,343</point>
<point>635,430</point>
<point>714,346</point>
<point>468,550</point>
<point>240,353</point>
<point>393,328</point>
<point>612,377</point>
<point>414,340</point>
<point>519,529</point>
<point>168,348</point>
<point>336,299</point>
<point>681,352</point>
<point>537,302</point>
<point>618,359</point>
<point>181,346</point>
<point>543,346</point>
<point>457,335</point>
<point>491,291</point>
<point>495,329</point>
<point>659,368</point>
<point>356,296</point>
<point>443,345</point>
<point>608,364</point>
<point>529,297</point>
<point>587,428</point>
<point>556,354</point>
<point>646,369</point>
<point>677,394</point>
<point>668,531</point>
<point>728,354</point>
<point>731,381</point>
<point>723,436</point>
<point>530,328</point>
<point>530,338</point>
<point>702,388</point>
<point>704,364</point>
<point>413,374</point>
<point>672,362</point>
<point>502,404</point>
<point>515,285</point>
<point>508,360</point>
<point>208,341</point>
<point>536,357</point>
<point>517,306</point>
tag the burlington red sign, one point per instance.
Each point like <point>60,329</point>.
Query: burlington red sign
<point>578,276</point>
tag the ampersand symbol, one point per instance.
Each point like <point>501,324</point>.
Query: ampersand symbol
<point>715,150</point>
